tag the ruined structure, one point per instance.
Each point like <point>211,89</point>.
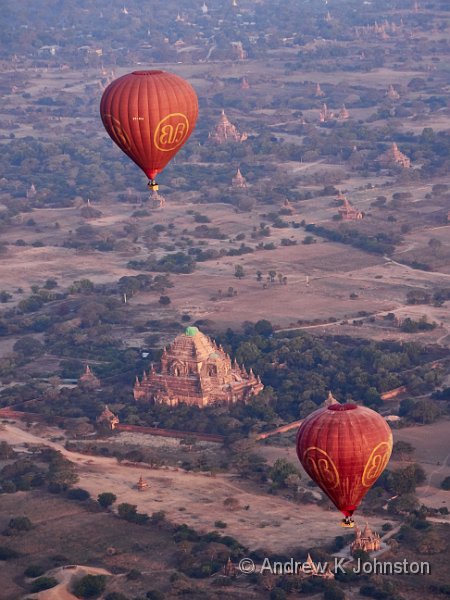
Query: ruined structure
<point>226,132</point>
<point>394,158</point>
<point>196,371</point>
<point>347,212</point>
<point>108,419</point>
<point>89,380</point>
<point>239,180</point>
<point>365,540</point>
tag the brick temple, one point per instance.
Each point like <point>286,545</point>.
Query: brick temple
<point>226,132</point>
<point>196,371</point>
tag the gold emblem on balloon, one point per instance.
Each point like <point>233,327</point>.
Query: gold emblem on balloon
<point>377,462</point>
<point>317,461</point>
<point>171,132</point>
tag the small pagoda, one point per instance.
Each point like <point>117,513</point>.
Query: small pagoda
<point>319,93</point>
<point>239,180</point>
<point>343,114</point>
<point>196,371</point>
<point>229,570</point>
<point>325,114</point>
<point>392,93</point>
<point>89,380</point>
<point>330,399</point>
<point>245,84</point>
<point>394,158</point>
<point>141,485</point>
<point>347,212</point>
<point>225,131</point>
<point>108,418</point>
<point>365,540</point>
<point>310,569</point>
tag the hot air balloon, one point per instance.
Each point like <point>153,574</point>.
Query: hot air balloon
<point>149,115</point>
<point>344,448</point>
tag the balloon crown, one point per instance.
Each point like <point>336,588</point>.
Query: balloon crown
<point>342,407</point>
<point>154,72</point>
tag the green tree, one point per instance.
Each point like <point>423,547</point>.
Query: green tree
<point>106,499</point>
<point>239,271</point>
<point>281,472</point>
<point>90,586</point>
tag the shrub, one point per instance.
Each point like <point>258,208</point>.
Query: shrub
<point>34,571</point>
<point>78,494</point>
<point>90,586</point>
<point>43,583</point>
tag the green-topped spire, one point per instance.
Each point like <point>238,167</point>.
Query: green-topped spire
<point>191,331</point>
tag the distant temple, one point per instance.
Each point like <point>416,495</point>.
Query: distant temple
<point>89,380</point>
<point>325,114</point>
<point>392,93</point>
<point>365,540</point>
<point>194,370</point>
<point>31,192</point>
<point>310,569</point>
<point>245,84</point>
<point>347,212</point>
<point>226,132</point>
<point>319,93</point>
<point>142,484</point>
<point>239,180</point>
<point>229,570</point>
<point>108,418</point>
<point>89,212</point>
<point>343,114</point>
<point>330,400</point>
<point>393,157</point>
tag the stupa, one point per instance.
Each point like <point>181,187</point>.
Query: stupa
<point>226,132</point>
<point>365,540</point>
<point>239,180</point>
<point>348,212</point>
<point>108,418</point>
<point>393,157</point>
<point>392,93</point>
<point>89,380</point>
<point>196,371</point>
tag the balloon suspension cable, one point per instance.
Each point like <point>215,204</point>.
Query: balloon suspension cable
<point>152,185</point>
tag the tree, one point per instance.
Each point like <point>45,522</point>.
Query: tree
<point>43,583</point>
<point>435,245</point>
<point>281,471</point>
<point>20,524</point>
<point>445,483</point>
<point>90,586</point>
<point>106,499</point>
<point>78,494</point>
<point>164,300</point>
<point>402,449</point>
<point>239,271</point>
<point>29,347</point>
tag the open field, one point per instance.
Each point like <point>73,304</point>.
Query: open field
<point>270,522</point>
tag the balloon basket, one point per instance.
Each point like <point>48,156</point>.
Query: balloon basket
<point>153,186</point>
<point>347,525</point>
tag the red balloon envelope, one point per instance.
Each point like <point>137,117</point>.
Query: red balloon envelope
<point>149,115</point>
<point>344,448</point>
